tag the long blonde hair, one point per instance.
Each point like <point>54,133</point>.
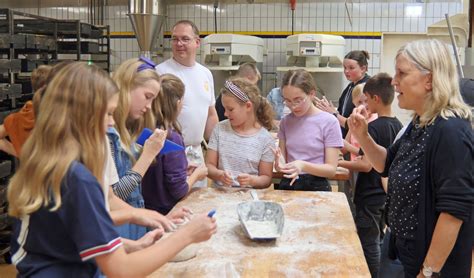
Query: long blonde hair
<point>432,56</point>
<point>127,77</point>
<point>69,127</point>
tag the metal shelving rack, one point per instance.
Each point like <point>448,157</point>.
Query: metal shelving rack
<point>84,42</point>
<point>27,41</point>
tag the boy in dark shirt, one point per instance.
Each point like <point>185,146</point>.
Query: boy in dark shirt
<point>369,198</point>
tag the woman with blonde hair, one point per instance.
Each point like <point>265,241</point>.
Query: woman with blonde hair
<point>430,182</point>
<point>62,225</point>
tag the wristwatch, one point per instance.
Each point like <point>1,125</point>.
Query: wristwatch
<point>427,271</point>
<point>336,113</point>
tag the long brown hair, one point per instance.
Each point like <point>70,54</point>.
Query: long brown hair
<point>165,106</point>
<point>70,127</point>
<point>262,109</point>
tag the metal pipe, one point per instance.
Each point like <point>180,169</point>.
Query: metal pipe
<point>293,8</point>
<point>216,5</point>
<point>455,49</point>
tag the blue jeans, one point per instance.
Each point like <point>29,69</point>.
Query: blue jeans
<point>389,268</point>
<point>132,231</point>
<point>370,224</point>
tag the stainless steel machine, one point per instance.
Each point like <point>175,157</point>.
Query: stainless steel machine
<point>322,56</point>
<point>224,53</point>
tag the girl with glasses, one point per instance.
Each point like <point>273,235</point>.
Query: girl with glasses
<point>310,138</point>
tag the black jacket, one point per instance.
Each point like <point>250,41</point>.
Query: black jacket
<point>448,187</point>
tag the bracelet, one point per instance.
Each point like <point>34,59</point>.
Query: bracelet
<point>335,114</point>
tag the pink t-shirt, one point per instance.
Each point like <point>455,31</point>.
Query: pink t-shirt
<point>306,137</point>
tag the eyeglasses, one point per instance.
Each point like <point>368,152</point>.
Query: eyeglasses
<point>183,40</point>
<point>295,103</point>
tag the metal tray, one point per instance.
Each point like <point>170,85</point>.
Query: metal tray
<point>261,220</point>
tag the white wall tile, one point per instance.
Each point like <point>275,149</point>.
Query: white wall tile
<point>362,24</point>
<point>445,9</point>
<point>319,24</point>
<point>370,9</point>
<point>399,24</point>
<point>333,10</point>
<point>370,24</point>
<point>380,25</point>
<point>333,25</point>
<point>437,10</point>
<point>319,10</point>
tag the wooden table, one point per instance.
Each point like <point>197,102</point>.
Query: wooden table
<point>319,238</point>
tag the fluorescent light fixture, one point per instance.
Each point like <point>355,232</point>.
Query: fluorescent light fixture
<point>413,10</point>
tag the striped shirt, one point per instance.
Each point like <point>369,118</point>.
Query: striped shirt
<point>241,153</point>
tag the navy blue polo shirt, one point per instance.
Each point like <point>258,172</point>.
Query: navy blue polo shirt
<point>63,243</point>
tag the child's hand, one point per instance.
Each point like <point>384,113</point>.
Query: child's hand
<point>151,219</point>
<point>191,168</point>
<point>292,170</point>
<point>201,228</point>
<point>279,160</point>
<point>245,180</point>
<point>155,142</point>
<point>201,172</point>
<point>325,105</point>
<point>179,215</point>
<point>150,238</point>
<point>225,178</point>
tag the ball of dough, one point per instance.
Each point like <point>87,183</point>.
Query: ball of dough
<point>187,253</point>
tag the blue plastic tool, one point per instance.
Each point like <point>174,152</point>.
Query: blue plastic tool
<point>169,146</point>
<point>211,213</point>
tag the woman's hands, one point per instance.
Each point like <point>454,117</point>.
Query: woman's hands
<point>358,123</point>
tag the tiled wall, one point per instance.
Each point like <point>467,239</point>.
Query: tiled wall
<point>402,16</point>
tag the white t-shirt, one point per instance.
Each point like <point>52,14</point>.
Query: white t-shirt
<point>198,96</point>
<point>110,174</point>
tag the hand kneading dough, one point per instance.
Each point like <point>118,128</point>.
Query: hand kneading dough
<point>187,253</point>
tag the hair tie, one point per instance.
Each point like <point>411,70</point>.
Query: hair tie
<point>236,91</point>
<point>147,64</point>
